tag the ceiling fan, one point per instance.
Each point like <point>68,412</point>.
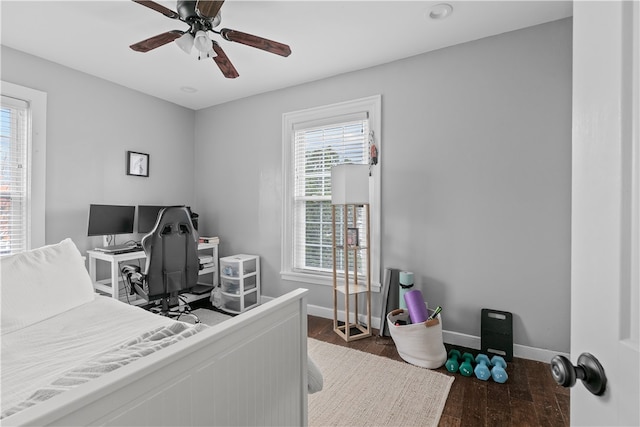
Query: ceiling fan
<point>202,17</point>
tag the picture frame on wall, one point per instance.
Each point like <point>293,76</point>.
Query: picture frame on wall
<point>352,237</point>
<point>137,164</point>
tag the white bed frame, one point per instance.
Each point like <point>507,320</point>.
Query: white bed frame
<point>250,370</point>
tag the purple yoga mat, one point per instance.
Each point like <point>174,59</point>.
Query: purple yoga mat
<point>416,306</point>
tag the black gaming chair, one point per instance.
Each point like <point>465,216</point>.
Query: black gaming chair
<point>172,262</point>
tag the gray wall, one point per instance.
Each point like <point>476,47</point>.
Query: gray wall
<point>476,167</point>
<point>475,170</point>
<point>91,123</point>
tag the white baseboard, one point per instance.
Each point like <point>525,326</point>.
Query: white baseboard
<point>449,337</point>
<point>519,350</point>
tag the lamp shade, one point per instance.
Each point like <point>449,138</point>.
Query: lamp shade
<point>349,184</point>
<point>202,42</point>
<point>185,42</point>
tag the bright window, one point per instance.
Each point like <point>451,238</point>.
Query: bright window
<point>22,154</point>
<point>14,127</point>
<point>313,141</point>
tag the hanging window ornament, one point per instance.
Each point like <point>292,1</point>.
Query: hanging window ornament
<point>373,152</point>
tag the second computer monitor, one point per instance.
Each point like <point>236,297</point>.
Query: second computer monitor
<point>147,216</point>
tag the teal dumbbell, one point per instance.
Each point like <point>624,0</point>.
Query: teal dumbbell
<point>452,364</point>
<point>466,367</point>
<point>498,371</point>
<point>482,370</point>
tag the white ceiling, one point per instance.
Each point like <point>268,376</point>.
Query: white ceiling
<point>326,38</point>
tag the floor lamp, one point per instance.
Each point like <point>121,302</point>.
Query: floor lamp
<point>350,248</point>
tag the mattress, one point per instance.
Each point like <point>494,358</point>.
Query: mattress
<point>34,356</point>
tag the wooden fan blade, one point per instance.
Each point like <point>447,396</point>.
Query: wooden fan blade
<point>255,41</point>
<point>156,41</point>
<point>158,8</point>
<point>222,60</point>
<point>208,8</point>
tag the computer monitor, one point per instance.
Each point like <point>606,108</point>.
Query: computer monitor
<point>147,216</point>
<point>106,220</point>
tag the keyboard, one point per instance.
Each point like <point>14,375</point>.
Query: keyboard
<point>119,249</point>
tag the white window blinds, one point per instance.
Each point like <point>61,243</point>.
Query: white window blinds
<point>317,147</point>
<point>14,194</point>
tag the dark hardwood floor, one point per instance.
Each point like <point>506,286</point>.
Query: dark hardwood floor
<point>529,398</point>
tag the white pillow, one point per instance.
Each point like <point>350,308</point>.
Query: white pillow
<point>42,283</point>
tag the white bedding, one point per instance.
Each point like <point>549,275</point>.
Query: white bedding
<point>41,283</point>
<point>56,333</point>
<point>40,353</point>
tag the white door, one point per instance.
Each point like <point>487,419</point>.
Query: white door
<point>605,256</point>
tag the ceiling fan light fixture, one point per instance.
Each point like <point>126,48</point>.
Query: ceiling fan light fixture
<point>216,21</point>
<point>185,42</point>
<point>202,16</point>
<point>208,54</point>
<point>202,42</point>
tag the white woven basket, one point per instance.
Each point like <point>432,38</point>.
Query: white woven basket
<point>420,344</point>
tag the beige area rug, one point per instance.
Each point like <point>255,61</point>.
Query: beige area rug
<point>361,389</point>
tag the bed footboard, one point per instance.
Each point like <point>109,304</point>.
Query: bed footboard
<point>250,370</point>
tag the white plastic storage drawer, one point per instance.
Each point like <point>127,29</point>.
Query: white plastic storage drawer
<point>232,303</point>
<point>232,286</point>
<point>230,266</point>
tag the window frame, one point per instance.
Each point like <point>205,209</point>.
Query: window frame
<point>328,114</point>
<point>36,159</point>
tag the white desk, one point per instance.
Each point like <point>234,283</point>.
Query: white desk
<point>111,286</point>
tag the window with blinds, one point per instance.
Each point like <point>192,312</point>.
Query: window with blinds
<point>318,147</point>
<point>314,140</point>
<point>14,175</point>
